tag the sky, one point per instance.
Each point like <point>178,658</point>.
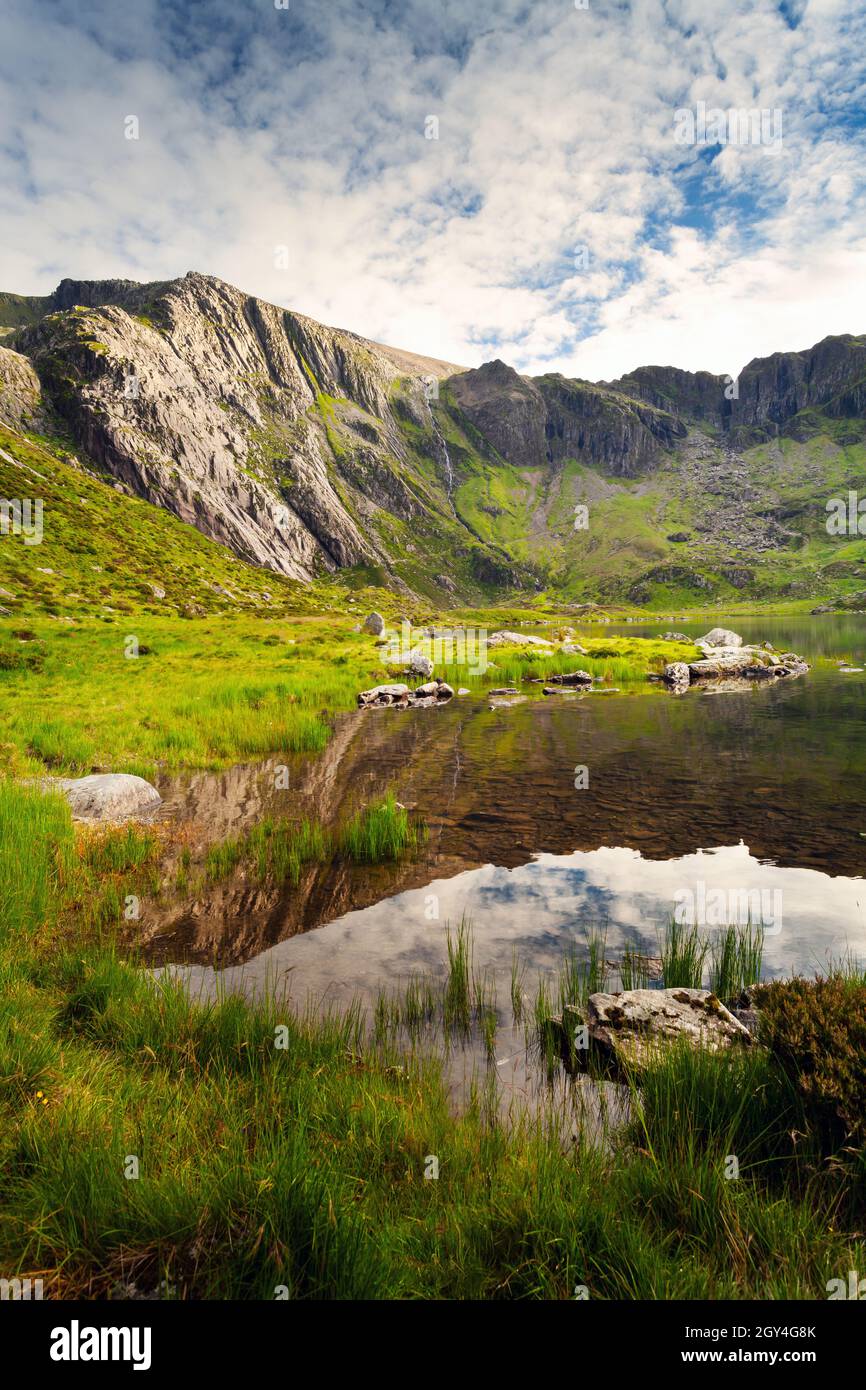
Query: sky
<point>468,179</point>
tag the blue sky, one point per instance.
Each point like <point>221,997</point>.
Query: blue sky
<point>555,222</point>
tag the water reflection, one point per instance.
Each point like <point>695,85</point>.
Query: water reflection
<point>531,855</point>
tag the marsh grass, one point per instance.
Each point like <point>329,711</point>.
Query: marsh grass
<point>735,959</point>
<point>278,849</point>
<point>211,693</point>
<point>634,969</point>
<point>302,1165</point>
<point>683,952</point>
<point>380,832</point>
<point>619,661</point>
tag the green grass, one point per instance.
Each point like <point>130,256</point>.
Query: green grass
<point>379,833</point>
<point>283,1151</point>
<point>683,953</point>
<point>208,694</point>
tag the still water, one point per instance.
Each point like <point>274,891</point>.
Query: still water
<point>757,791</point>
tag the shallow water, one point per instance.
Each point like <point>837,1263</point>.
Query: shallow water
<point>756,792</point>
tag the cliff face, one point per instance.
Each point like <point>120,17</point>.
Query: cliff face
<point>204,401</point>
<point>770,391</point>
<point>534,422</point>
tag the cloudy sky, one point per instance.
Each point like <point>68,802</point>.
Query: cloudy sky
<point>556,221</point>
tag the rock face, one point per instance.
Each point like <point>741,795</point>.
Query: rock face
<point>109,796</point>
<point>771,391</point>
<point>533,422</point>
<point>626,1030</point>
<point>306,449</point>
<point>20,392</point>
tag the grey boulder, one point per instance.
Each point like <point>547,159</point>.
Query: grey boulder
<point>626,1031</point>
<point>720,637</point>
<point>110,796</point>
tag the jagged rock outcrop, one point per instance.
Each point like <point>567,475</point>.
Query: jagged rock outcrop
<point>769,392</point>
<point>20,392</point>
<point>535,422</point>
<point>202,405</point>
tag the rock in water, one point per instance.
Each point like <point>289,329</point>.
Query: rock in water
<point>111,796</point>
<point>720,637</point>
<point>571,678</point>
<point>676,675</point>
<point>626,1029</point>
<point>375,623</point>
<point>438,690</point>
<point>384,695</point>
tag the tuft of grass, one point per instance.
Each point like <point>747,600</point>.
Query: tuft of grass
<point>735,959</point>
<point>683,954</point>
<point>380,832</point>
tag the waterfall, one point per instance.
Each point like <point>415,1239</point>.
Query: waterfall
<point>449,470</point>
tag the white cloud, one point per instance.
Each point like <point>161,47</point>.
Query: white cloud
<point>305,128</point>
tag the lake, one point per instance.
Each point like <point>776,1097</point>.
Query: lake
<point>747,797</point>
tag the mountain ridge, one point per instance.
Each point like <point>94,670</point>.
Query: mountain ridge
<point>311,450</point>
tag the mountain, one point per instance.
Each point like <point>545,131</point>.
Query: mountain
<point>310,451</point>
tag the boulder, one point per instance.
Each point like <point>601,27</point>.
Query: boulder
<point>419,664</point>
<point>677,675</point>
<point>375,623</point>
<point>506,638</point>
<point>383,695</point>
<point>626,1030</point>
<point>109,796</point>
<point>439,690</point>
<point>675,637</point>
<point>571,678</point>
<point>433,692</point>
<point>720,637</point>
